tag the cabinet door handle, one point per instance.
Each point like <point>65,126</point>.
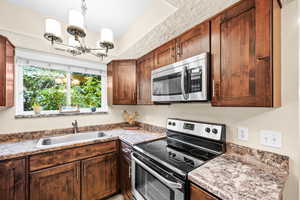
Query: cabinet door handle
<point>129,172</point>
<point>77,172</point>
<point>263,58</point>
<point>213,88</point>
<point>84,170</point>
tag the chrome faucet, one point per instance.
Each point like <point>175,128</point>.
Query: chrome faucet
<point>75,127</point>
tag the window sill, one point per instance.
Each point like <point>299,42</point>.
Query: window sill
<point>46,115</point>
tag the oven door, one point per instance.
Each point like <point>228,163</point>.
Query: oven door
<point>148,184</point>
<point>170,85</point>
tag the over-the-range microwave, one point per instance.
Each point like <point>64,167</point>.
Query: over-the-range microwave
<point>184,81</point>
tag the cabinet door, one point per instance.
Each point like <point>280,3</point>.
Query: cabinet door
<point>12,180</point>
<point>62,182</point>
<point>10,73</point>
<point>126,177</point>
<point>144,69</point>
<point>241,54</point>
<point>6,73</point>
<point>124,82</point>
<point>199,194</point>
<point>110,84</point>
<point>165,54</point>
<point>99,177</point>
<point>194,42</point>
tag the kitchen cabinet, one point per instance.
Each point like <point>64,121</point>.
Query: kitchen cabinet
<point>7,72</point>
<point>61,182</point>
<point>165,54</point>
<point>193,42</point>
<point>199,194</point>
<point>13,180</point>
<point>124,82</point>
<point>145,65</point>
<point>99,177</point>
<point>88,172</point>
<point>125,171</point>
<point>245,47</point>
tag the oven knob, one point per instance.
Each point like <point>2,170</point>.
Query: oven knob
<point>215,131</point>
<point>170,123</point>
<point>173,123</point>
<point>207,130</point>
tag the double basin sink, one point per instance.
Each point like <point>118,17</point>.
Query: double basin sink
<point>69,139</point>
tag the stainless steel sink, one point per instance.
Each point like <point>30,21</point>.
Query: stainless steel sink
<point>69,139</point>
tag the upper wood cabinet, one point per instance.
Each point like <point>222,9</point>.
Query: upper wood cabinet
<point>62,182</point>
<point>246,55</point>
<point>99,177</point>
<point>7,71</point>
<point>193,42</point>
<point>145,65</point>
<point>199,194</point>
<point>12,180</point>
<point>165,54</point>
<point>123,82</point>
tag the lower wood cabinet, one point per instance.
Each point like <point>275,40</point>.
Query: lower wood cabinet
<point>12,180</point>
<point>62,182</point>
<point>126,178</point>
<point>56,175</point>
<point>99,177</point>
<point>199,194</point>
<point>125,171</point>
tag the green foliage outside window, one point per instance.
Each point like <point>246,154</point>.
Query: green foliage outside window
<point>87,91</point>
<point>48,88</point>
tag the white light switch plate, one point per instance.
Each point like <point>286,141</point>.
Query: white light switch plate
<point>243,133</point>
<point>270,138</point>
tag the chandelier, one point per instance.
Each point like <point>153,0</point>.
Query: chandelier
<point>77,30</point>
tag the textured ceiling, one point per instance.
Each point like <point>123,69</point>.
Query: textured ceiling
<point>187,15</point>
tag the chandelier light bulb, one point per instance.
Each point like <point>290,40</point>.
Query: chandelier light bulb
<point>52,27</point>
<point>107,36</point>
<point>76,19</point>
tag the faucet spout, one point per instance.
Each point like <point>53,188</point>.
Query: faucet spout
<point>75,127</point>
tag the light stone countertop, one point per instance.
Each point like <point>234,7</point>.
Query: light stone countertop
<point>28,147</point>
<point>231,179</point>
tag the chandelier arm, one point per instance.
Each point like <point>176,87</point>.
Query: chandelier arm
<point>65,45</point>
<point>96,49</point>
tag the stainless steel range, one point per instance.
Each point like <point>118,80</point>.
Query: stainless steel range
<point>160,168</point>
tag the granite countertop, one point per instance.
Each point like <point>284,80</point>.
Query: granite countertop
<point>232,179</point>
<point>28,147</point>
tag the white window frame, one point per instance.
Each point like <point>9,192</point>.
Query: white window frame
<point>25,57</point>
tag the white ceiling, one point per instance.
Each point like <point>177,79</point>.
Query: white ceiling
<point>115,14</point>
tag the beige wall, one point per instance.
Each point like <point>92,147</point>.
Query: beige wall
<point>284,119</point>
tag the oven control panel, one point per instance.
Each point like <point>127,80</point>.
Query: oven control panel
<point>202,129</point>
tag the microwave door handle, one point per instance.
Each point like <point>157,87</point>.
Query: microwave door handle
<point>183,77</point>
<point>171,184</point>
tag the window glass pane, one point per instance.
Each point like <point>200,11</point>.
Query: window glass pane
<point>45,87</point>
<point>86,90</point>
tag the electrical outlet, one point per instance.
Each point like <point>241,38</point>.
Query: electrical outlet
<point>243,133</point>
<point>270,138</point>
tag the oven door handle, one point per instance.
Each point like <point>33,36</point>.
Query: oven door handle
<point>171,184</point>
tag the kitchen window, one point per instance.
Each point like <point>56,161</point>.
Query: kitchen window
<point>56,87</point>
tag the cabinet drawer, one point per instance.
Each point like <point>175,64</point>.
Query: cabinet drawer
<point>54,158</point>
<point>126,149</point>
